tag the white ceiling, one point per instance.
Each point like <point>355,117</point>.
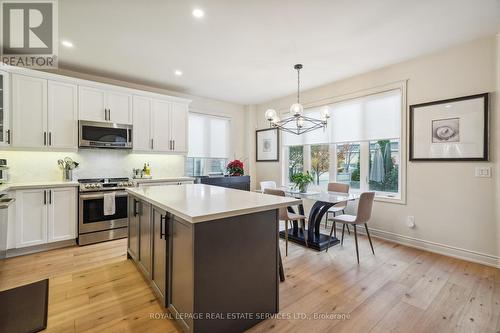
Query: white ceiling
<point>243,51</point>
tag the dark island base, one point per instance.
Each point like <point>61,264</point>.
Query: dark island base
<point>319,242</point>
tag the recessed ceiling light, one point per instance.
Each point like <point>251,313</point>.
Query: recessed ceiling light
<point>67,43</point>
<point>178,72</point>
<point>198,13</point>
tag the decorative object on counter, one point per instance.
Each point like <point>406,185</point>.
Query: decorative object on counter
<point>450,130</point>
<point>235,168</point>
<point>147,170</point>
<point>4,176</point>
<point>67,165</point>
<point>298,123</point>
<point>301,180</point>
<point>267,143</point>
<point>144,173</point>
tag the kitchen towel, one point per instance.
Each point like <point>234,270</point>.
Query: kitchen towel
<point>109,203</point>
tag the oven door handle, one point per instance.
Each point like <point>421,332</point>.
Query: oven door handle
<point>101,195</point>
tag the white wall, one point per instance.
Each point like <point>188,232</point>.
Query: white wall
<point>28,166</point>
<point>455,212</point>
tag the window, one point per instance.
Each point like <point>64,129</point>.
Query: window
<point>295,160</point>
<point>361,146</point>
<point>348,164</point>
<point>208,144</point>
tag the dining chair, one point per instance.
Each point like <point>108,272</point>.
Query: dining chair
<point>363,216</point>
<point>340,207</point>
<point>267,184</point>
<point>285,215</point>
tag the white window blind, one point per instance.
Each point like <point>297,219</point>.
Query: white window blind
<point>367,118</point>
<point>208,136</point>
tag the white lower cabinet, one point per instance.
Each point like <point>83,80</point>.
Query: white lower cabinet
<point>45,215</point>
<point>31,217</point>
<point>62,214</point>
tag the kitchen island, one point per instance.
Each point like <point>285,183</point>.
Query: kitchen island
<point>209,253</point>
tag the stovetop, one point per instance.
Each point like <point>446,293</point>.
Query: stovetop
<point>104,184</point>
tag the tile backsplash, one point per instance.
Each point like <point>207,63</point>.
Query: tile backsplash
<point>26,166</point>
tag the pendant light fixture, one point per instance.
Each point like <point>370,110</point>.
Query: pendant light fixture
<point>298,123</point>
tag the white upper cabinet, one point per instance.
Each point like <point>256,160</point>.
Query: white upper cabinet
<point>92,104</point>
<point>62,115</point>
<point>178,129</point>
<point>102,104</point>
<point>119,107</point>
<point>160,126</point>
<point>141,133</point>
<point>44,113</point>
<point>5,131</point>
<point>29,103</point>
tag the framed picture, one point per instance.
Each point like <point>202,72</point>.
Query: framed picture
<point>267,145</point>
<point>450,130</point>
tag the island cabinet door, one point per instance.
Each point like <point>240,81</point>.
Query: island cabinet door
<point>145,237</point>
<point>133,228</point>
<point>160,252</point>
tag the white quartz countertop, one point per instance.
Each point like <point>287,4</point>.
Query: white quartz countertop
<point>162,180</point>
<point>199,202</point>
<point>39,184</point>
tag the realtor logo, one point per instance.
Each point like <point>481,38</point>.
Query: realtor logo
<point>29,33</point>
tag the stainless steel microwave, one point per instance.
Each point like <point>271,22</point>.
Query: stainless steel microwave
<point>94,134</point>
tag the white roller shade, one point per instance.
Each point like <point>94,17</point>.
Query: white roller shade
<point>367,118</point>
<point>208,136</point>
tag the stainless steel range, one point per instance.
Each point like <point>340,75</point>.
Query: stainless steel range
<point>95,223</point>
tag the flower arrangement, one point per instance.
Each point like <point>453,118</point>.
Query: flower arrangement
<point>301,180</point>
<point>235,168</point>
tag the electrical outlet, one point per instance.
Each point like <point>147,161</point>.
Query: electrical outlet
<point>410,221</point>
<point>482,172</point>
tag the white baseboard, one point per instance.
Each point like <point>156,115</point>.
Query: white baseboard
<point>447,250</point>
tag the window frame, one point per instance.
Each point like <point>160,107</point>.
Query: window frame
<point>391,197</point>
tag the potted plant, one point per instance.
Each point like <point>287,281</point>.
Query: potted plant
<point>235,168</point>
<point>301,180</point>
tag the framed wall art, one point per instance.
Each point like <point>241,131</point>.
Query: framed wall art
<point>267,145</point>
<point>450,130</point>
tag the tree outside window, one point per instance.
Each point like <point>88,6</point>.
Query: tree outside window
<point>320,163</point>
<point>295,160</point>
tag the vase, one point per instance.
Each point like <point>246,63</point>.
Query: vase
<point>68,175</point>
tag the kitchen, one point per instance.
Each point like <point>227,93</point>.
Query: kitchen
<point>228,167</point>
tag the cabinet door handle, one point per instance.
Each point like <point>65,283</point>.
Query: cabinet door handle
<point>163,228</point>
<point>44,138</point>
<point>173,144</point>
<point>136,208</point>
<point>50,197</point>
<point>44,197</point>
<point>109,114</point>
<point>50,138</point>
<point>152,144</point>
<point>8,136</point>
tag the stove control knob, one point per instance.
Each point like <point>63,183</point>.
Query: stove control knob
<point>93,186</point>
<point>130,184</point>
<point>87,185</point>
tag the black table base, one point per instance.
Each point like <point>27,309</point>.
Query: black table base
<point>318,242</point>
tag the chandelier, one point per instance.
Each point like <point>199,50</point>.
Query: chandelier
<point>298,123</point>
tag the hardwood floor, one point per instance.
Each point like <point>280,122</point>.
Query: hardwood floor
<point>400,289</point>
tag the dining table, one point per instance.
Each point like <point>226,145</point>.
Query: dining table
<point>323,201</point>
